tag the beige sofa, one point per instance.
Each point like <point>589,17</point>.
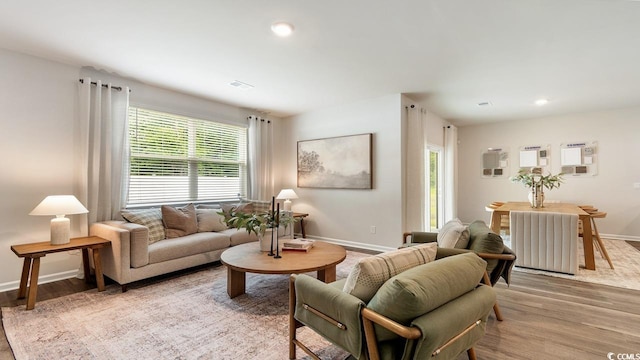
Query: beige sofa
<point>133,257</point>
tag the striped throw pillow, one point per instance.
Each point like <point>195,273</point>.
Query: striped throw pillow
<point>371,272</point>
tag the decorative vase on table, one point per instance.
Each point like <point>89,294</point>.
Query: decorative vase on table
<point>265,240</point>
<point>536,196</point>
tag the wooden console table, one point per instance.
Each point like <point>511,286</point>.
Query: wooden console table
<point>34,251</point>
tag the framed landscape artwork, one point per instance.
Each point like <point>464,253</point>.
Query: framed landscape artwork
<point>342,162</point>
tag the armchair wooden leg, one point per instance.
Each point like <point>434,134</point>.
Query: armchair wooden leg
<point>472,354</point>
<point>292,320</point>
<point>496,308</point>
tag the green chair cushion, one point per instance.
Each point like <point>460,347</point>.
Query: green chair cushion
<point>426,287</point>
<point>483,240</point>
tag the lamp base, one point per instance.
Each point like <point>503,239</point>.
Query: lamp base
<point>60,230</point>
<point>287,205</point>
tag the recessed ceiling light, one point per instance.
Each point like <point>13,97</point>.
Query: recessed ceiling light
<point>282,29</point>
<point>541,102</point>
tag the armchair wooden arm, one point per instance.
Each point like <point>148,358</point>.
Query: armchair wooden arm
<point>425,237</point>
<point>488,256</point>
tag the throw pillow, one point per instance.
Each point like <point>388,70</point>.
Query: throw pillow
<point>371,272</point>
<point>424,288</point>
<point>151,218</point>
<point>210,220</point>
<point>483,240</point>
<point>179,221</point>
<point>453,235</point>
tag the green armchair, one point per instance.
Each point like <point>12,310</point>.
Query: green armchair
<point>438,308</point>
<point>486,244</point>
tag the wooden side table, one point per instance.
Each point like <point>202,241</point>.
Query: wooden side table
<point>33,252</point>
<point>301,216</point>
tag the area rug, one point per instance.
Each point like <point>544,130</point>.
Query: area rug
<point>183,317</point>
<point>626,262</point>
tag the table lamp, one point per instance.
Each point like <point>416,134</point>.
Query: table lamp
<point>287,194</point>
<point>59,205</point>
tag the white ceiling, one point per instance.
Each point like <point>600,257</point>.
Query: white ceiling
<point>583,55</point>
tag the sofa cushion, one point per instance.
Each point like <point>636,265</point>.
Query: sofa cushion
<point>179,222</point>
<point>371,272</point>
<point>239,236</point>
<point>187,245</point>
<point>150,218</point>
<point>423,288</point>
<point>453,235</point>
<point>483,240</point>
<point>210,220</point>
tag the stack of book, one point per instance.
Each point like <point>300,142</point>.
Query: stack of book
<point>297,245</point>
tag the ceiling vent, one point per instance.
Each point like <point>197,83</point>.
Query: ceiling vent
<point>484,103</point>
<point>241,85</point>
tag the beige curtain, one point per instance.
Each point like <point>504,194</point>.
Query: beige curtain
<point>261,179</point>
<point>102,148</point>
<point>450,172</point>
<point>415,170</point>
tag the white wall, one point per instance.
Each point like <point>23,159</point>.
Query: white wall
<point>617,133</point>
<point>347,215</point>
<point>38,100</point>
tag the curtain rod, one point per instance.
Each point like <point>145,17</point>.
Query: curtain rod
<point>118,88</point>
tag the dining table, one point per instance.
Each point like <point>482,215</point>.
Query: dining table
<point>566,208</point>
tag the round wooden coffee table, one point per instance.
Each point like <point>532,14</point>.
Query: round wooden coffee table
<point>241,259</point>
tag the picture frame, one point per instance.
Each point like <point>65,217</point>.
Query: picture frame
<point>343,162</point>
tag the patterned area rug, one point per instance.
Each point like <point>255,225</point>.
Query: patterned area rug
<point>184,317</point>
<point>625,259</point>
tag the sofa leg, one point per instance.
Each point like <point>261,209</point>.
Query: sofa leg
<point>472,354</point>
<point>124,288</point>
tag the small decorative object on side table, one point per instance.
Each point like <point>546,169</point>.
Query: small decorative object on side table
<point>34,251</point>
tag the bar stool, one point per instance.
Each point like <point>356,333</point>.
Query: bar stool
<point>599,244</point>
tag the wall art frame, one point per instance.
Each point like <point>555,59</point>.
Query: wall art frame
<point>495,162</point>
<point>342,162</point>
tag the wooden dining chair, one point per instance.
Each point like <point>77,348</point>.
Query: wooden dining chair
<point>504,219</point>
<point>599,244</point>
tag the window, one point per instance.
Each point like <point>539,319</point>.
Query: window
<point>179,159</point>
<point>434,213</point>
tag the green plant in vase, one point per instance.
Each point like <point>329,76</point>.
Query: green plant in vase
<point>257,223</point>
<point>536,181</point>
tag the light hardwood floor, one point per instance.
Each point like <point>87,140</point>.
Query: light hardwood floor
<point>545,318</point>
<point>553,318</point>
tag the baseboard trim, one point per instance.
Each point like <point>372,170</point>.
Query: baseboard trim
<point>353,244</point>
<point>620,237</point>
<point>43,279</point>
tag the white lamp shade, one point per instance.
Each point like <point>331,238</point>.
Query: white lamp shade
<point>59,205</point>
<point>287,194</point>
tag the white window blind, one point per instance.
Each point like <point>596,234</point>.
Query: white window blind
<point>180,159</point>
